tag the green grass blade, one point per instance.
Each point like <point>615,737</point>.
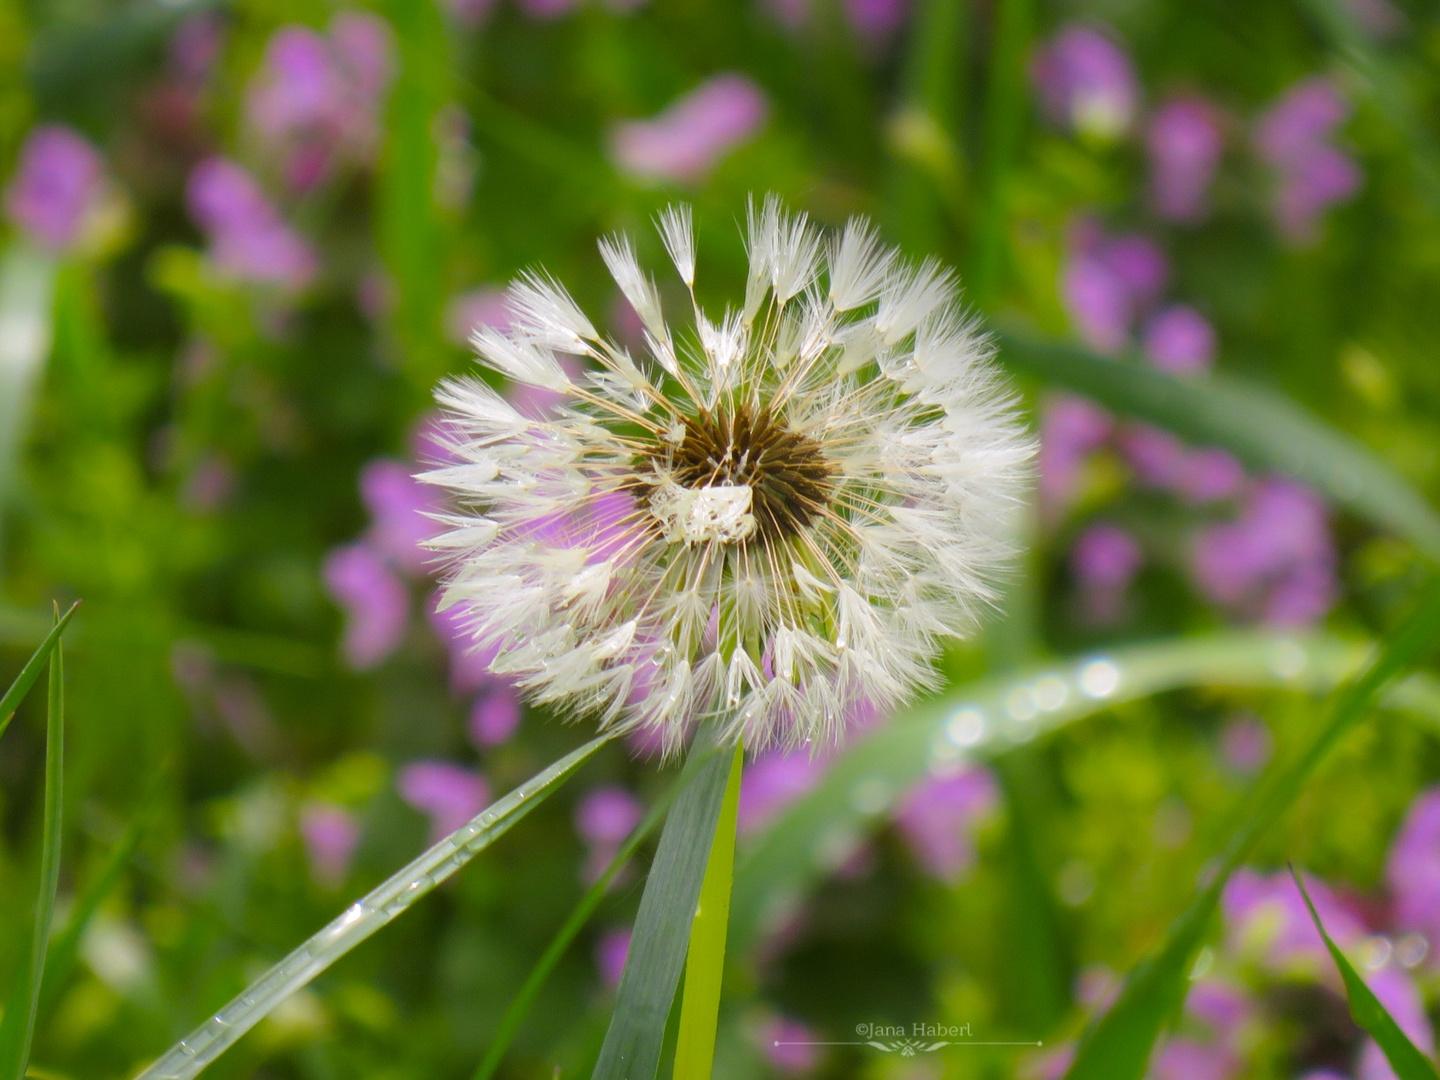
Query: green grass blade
<point>31,671</point>
<point>803,842</point>
<point>636,1035</point>
<point>362,919</point>
<point>1006,97</point>
<point>66,946</point>
<point>705,961</point>
<point>1402,1054</point>
<point>1039,968</point>
<point>524,1000</point>
<point>1262,429</point>
<point>17,1028</point>
<point>927,171</point>
<point>1118,1046</point>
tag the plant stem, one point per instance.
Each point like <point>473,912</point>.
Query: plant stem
<point>705,961</point>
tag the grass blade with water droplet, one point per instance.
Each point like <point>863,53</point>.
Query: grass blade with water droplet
<point>360,920</point>
<point>795,851</point>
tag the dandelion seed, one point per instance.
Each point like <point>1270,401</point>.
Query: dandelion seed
<point>768,523</point>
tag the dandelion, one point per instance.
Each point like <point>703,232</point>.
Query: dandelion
<point>770,521</point>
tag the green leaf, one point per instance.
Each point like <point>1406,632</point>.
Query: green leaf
<point>31,671</point>
<point>815,833</point>
<point>17,1027</point>
<point>1118,1046</point>
<point>362,919</point>
<point>521,1004</point>
<point>633,1042</point>
<point>705,961</point>
<point>1264,430</point>
<point>1402,1054</point>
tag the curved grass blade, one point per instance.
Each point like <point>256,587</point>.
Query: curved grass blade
<point>362,919</point>
<point>1118,1046</point>
<point>522,1002</point>
<point>31,671</point>
<point>816,833</point>
<point>1402,1054</point>
<point>1262,429</point>
<point>636,1035</point>
<point>17,1027</point>
<point>705,961</point>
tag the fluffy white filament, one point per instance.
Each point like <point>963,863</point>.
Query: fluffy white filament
<point>611,566</point>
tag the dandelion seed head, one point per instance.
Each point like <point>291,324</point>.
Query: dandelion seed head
<point>769,521</point>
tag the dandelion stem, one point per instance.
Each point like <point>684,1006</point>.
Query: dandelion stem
<point>705,962</point>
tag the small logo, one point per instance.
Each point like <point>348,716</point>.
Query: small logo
<point>917,1038</point>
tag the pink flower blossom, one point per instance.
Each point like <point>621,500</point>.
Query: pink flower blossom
<point>375,602</point>
<point>57,182</point>
<point>446,793</point>
<point>686,141</point>
<point>1185,144</point>
<point>1086,83</point>
<point>938,819</point>
<point>330,834</point>
<point>248,241</point>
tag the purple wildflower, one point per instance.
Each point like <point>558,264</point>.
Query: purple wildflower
<point>1109,281</point>
<point>56,185</point>
<point>399,506</point>
<point>1313,175</point>
<point>1276,561</point>
<point>1071,429</point>
<point>1401,998</point>
<point>1266,919</point>
<point>1413,868</point>
<point>939,817</point>
<point>1180,340</point>
<point>330,834</point>
<point>1246,744</point>
<point>789,1045</point>
<point>604,818</point>
<point>1105,560</point>
<point>685,141</point>
<point>875,21</point>
<point>317,99</point>
<point>468,311</point>
<point>446,793</point>
<point>248,241</point>
<point>375,602</point>
<point>772,782</point>
<point>1185,145</point>
<point>495,714</point>
<point>1086,83</point>
<point>1188,1059</point>
<point>611,950</point>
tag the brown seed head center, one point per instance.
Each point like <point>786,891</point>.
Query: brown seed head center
<point>789,476</point>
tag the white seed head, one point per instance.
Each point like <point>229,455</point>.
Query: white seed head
<point>769,524</point>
